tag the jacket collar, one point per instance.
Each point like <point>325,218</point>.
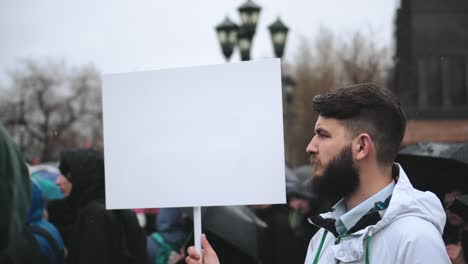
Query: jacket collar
<point>372,217</point>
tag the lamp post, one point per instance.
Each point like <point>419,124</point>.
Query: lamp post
<point>227,36</point>
<point>231,35</point>
<point>289,86</point>
<point>279,33</point>
<point>249,13</point>
<point>245,43</point>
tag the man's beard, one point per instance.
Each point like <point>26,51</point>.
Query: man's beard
<point>340,177</point>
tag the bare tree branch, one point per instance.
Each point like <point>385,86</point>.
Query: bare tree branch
<point>325,64</point>
<point>50,102</point>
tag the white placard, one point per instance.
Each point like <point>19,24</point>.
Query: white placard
<point>199,136</point>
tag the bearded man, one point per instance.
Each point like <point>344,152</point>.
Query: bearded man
<point>381,217</point>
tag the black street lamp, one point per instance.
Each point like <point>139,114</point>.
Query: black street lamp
<point>279,33</point>
<point>245,43</point>
<point>249,13</point>
<point>227,36</point>
<point>230,35</point>
<point>289,88</point>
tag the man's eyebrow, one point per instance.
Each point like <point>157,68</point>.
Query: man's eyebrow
<point>321,131</point>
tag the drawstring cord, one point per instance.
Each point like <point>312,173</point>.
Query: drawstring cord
<point>368,241</point>
<point>320,247</point>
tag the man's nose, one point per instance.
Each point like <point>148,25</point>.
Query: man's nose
<point>312,147</point>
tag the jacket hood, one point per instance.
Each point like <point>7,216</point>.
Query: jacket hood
<point>84,168</point>
<point>35,218</point>
<point>14,189</point>
<point>407,201</point>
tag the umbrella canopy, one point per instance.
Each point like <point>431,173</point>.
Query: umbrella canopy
<point>301,187</point>
<point>291,179</point>
<point>460,207</point>
<point>290,175</point>
<point>237,225</point>
<point>438,167</point>
<point>452,151</point>
<point>45,175</point>
<point>304,172</point>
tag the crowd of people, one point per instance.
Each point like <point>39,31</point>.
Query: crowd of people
<point>78,229</point>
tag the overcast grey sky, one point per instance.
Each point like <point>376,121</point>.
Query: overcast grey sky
<point>119,36</point>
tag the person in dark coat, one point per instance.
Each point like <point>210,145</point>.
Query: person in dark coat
<point>60,212</point>
<point>287,236</point>
<point>98,235</point>
<point>15,196</point>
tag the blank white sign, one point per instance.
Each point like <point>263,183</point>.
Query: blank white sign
<point>199,136</point>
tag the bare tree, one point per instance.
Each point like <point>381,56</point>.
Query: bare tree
<point>46,101</point>
<point>327,63</point>
<point>362,61</point>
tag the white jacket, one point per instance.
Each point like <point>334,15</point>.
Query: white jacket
<point>409,232</point>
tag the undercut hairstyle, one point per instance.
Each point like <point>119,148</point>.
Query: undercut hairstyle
<point>366,108</point>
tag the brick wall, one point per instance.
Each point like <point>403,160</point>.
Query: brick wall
<point>436,130</point>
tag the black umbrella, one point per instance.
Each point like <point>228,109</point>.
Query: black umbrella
<point>438,167</point>
<point>452,151</point>
<point>304,173</point>
<point>460,207</point>
<point>237,225</point>
<point>301,185</point>
<point>290,175</point>
<point>291,179</point>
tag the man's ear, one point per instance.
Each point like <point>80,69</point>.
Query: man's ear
<point>363,146</point>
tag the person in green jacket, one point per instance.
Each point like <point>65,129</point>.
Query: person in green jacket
<point>14,189</point>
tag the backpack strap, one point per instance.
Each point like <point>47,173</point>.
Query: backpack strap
<point>59,254</point>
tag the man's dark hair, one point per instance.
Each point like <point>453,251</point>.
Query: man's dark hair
<point>366,108</point>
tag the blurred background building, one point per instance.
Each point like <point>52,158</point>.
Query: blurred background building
<point>431,68</point>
